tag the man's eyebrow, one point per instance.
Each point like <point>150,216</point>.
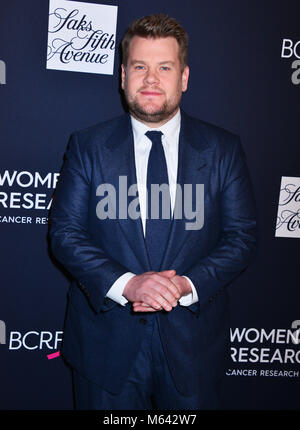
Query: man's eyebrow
<point>167,62</point>
<point>137,61</point>
<point>144,62</point>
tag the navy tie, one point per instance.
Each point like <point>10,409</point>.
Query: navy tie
<point>159,205</point>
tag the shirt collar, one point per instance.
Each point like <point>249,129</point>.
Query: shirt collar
<point>170,129</point>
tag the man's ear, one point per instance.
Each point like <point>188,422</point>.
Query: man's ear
<point>123,76</point>
<point>185,78</point>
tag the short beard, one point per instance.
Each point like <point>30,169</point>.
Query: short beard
<point>162,115</point>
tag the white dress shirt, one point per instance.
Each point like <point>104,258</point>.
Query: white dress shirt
<point>142,147</point>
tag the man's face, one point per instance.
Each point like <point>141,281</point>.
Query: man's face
<point>152,79</point>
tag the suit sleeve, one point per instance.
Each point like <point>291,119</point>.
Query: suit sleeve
<point>70,241</point>
<point>237,244</point>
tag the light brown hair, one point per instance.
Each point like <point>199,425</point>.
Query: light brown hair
<point>157,26</point>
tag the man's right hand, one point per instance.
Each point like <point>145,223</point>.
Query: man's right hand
<point>154,289</point>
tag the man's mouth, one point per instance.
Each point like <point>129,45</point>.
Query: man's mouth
<point>150,93</point>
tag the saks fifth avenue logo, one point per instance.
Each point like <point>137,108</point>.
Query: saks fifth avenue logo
<point>291,49</point>
<point>288,215</point>
<point>81,37</point>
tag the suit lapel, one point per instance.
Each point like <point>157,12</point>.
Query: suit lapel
<point>118,161</point>
<point>191,166</point>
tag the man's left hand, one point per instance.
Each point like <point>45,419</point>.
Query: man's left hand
<point>182,285</point>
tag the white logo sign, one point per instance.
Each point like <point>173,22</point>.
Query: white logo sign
<point>288,215</point>
<point>270,352</point>
<point>22,193</point>
<point>81,37</point>
<point>290,49</point>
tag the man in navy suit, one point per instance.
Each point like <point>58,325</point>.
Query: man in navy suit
<point>147,323</point>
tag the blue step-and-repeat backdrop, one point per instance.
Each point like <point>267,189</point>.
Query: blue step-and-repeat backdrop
<point>59,72</point>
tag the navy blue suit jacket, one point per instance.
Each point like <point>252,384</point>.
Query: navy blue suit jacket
<point>101,337</point>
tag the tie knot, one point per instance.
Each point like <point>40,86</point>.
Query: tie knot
<point>154,136</point>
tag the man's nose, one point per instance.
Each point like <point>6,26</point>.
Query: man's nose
<point>151,77</point>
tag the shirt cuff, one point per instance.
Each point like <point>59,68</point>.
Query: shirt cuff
<point>190,298</point>
<point>116,290</point>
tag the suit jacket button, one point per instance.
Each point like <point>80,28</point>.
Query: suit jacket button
<point>105,301</point>
<point>143,321</point>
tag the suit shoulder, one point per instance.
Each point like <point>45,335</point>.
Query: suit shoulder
<point>215,136</point>
<point>99,132</point>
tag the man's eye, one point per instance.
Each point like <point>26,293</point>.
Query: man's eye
<point>139,67</point>
<point>165,68</point>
